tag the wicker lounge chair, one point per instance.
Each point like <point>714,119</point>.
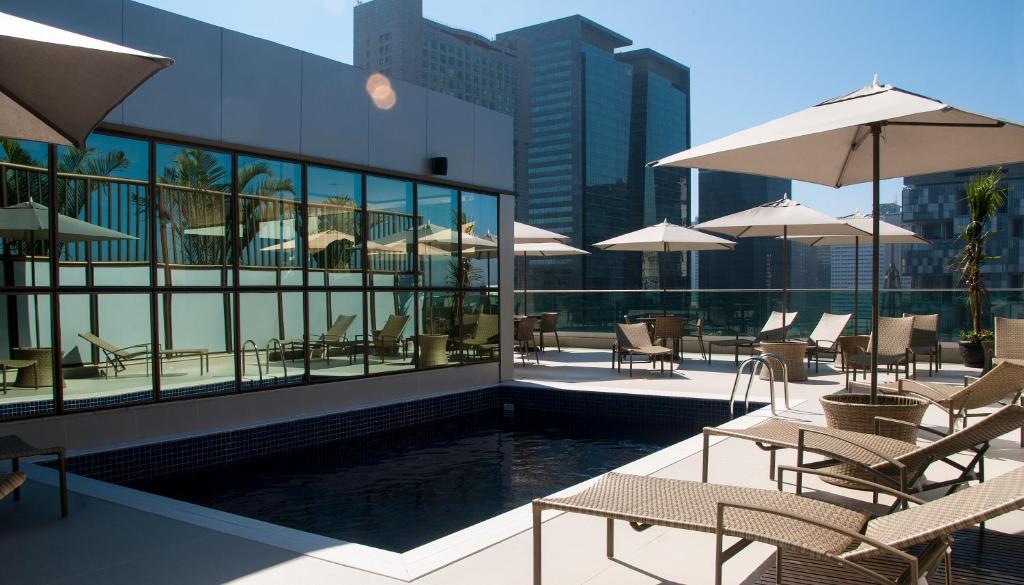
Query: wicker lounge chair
<point>894,334</point>
<point>1009,341</point>
<point>335,336</point>
<point>925,341</point>
<point>772,330</point>
<point>549,324</point>
<point>789,522</point>
<point>633,339</point>
<point>1003,383</point>
<point>524,340</point>
<point>388,340</point>
<point>116,357</point>
<point>895,463</point>
<point>668,332</point>
<point>14,448</point>
<point>698,334</point>
<point>10,482</point>
<point>824,340</point>
<point>485,332</point>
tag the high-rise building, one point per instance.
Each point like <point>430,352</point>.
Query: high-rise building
<point>756,262</point>
<point>890,255</point>
<point>587,119</point>
<point>934,207</point>
<point>393,37</point>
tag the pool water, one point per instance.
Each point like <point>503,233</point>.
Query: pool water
<point>405,488</point>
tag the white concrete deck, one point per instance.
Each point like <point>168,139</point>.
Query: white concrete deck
<point>107,542</point>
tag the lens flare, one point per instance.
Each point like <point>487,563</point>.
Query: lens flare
<point>378,87</point>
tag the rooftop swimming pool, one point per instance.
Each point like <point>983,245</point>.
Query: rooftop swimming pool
<point>440,464</point>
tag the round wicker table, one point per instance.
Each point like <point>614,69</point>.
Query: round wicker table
<point>856,412</point>
<point>792,352</point>
<point>42,374</point>
<point>432,350</point>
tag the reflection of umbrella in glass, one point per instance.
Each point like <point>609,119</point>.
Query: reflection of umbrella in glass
<point>30,221</point>
<point>318,242</point>
<point>58,85</point>
<point>665,237</point>
<point>887,234</point>
<point>825,143</point>
<point>785,218</point>
<point>541,249</point>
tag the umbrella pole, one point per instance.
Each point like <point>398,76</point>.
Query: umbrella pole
<point>35,295</point>
<point>785,275</point>
<point>856,279</point>
<point>661,275</point>
<point>526,296</point>
<point>876,132</point>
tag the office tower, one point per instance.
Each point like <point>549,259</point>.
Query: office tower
<point>587,119</point>
<point>934,207</point>
<point>757,262</point>
<point>393,37</point>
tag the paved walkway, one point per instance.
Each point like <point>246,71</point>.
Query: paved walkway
<point>105,542</point>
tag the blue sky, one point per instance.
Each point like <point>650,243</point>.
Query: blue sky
<point>750,60</point>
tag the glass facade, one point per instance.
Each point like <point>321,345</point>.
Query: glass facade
<point>185,271</point>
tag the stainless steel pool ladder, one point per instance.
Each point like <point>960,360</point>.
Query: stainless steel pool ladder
<point>255,350</point>
<point>756,363</point>
<point>273,341</point>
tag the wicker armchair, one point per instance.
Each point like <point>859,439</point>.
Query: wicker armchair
<point>484,334</point>
<point>1009,340</point>
<point>698,334</point>
<point>668,331</point>
<point>893,338</point>
<point>925,341</point>
<point>524,340</point>
<point>549,324</point>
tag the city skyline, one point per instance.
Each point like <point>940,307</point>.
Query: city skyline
<point>736,85</point>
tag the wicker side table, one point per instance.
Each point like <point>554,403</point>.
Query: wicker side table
<point>432,351</point>
<point>42,374</point>
<point>792,352</point>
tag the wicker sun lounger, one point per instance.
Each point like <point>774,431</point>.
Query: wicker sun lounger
<point>824,340</point>
<point>633,339</point>
<point>789,522</point>
<point>772,330</point>
<point>14,448</point>
<point>890,461</point>
<point>117,356</point>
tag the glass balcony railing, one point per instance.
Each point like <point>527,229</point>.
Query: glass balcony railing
<point>728,312</point>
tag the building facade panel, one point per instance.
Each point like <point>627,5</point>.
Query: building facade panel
<point>449,120</point>
<point>335,111</point>
<point>400,133</point>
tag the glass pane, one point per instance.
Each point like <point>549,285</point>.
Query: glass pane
<point>271,332</point>
<point>480,326</point>
<point>335,227</point>
<point>391,325</point>
<point>196,337</point>
<point>390,239</point>
<point>437,343</point>
<point>27,369</point>
<point>336,334</point>
<point>438,247</point>
<point>480,239</point>
<point>24,164</point>
<point>107,349</point>
<point>269,195</point>
<point>104,186</point>
<point>193,216</point>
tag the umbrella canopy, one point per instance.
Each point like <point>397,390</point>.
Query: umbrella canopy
<point>317,242</point>
<point>784,217</point>
<point>887,234</point>
<point>527,234</point>
<point>824,144</point>
<point>541,249</point>
<point>665,237</point>
<point>29,221</point>
<point>56,86</point>
<point>435,235</point>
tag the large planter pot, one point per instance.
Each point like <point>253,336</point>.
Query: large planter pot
<point>972,353</point>
<point>855,412</point>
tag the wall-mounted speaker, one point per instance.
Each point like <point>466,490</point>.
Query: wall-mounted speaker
<point>439,166</point>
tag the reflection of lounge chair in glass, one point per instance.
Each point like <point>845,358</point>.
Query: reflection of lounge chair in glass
<point>335,336</point>
<point>387,340</point>
<point>116,357</point>
<point>484,334</point>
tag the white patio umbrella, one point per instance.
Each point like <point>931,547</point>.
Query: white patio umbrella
<point>823,144</point>
<point>784,218</point>
<point>56,85</point>
<point>663,238</point>
<point>887,234</point>
<point>527,234</point>
<point>541,249</point>
<point>29,221</point>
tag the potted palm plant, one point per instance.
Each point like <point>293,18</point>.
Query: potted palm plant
<point>984,197</point>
